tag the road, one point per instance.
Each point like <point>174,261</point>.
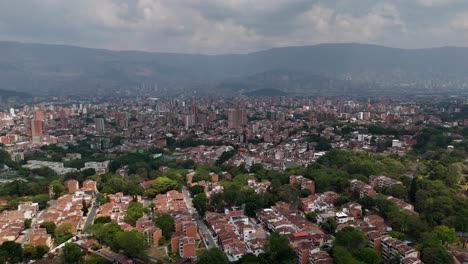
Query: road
<point>34,222</point>
<point>91,215</point>
<point>202,228</point>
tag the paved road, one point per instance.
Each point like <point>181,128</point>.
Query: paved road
<point>202,228</point>
<point>91,216</point>
<point>34,222</point>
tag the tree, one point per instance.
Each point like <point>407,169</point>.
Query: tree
<point>397,190</point>
<point>27,223</point>
<point>41,199</point>
<point>89,172</point>
<point>278,250</point>
<point>312,217</point>
<point>63,229</point>
<point>214,255</point>
<point>342,256</point>
<point>71,253</point>
<point>166,223</point>
<point>102,220</point>
<point>329,226</point>
<point>134,212</point>
<point>249,259</point>
<point>85,207</point>
<point>104,233</point>
<point>57,189</point>
<point>397,235</point>
<point>413,189</point>
<point>41,250</point>
<point>50,227</point>
<point>29,252</point>
<point>369,255</point>
<point>131,242</point>
<point>352,239</point>
<point>163,185</point>
<point>435,255</point>
<point>197,189</point>
<point>323,145</point>
<point>93,259</point>
<point>445,234</point>
<point>11,252</point>
<point>199,202</point>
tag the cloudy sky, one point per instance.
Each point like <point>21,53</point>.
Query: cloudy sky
<point>234,26</point>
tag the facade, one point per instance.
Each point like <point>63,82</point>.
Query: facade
<point>36,130</point>
<point>237,118</point>
<point>100,125</point>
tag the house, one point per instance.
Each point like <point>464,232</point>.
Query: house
<point>304,182</point>
<point>72,186</point>
<point>29,209</point>
<point>147,184</point>
<point>151,233</point>
<point>401,204</point>
<point>184,246</point>
<point>392,247</point>
<point>382,181</point>
<point>363,188</point>
<point>39,237</point>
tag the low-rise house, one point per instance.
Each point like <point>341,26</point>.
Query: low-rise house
<point>184,246</point>
<point>382,181</point>
<point>29,209</point>
<point>392,247</point>
<point>401,204</point>
<point>363,188</point>
<point>304,182</point>
<point>151,233</point>
<point>39,237</point>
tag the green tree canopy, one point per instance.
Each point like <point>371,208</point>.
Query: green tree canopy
<point>211,256</point>
<point>134,212</point>
<point>278,250</point>
<point>199,202</point>
<point>166,223</point>
<point>445,234</point>
<point>71,253</point>
<point>11,252</point>
<point>350,238</point>
<point>131,242</point>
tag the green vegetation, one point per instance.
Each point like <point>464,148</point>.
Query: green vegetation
<point>200,202</point>
<point>278,250</point>
<point>71,253</point>
<point>162,185</point>
<point>11,252</point>
<point>350,247</point>
<point>166,223</point>
<point>130,242</point>
<point>34,252</point>
<point>214,255</point>
<point>134,212</point>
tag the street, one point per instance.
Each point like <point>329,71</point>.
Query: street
<point>91,216</point>
<point>35,220</point>
<point>203,230</point>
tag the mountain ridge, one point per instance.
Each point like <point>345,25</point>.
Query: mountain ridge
<point>68,70</point>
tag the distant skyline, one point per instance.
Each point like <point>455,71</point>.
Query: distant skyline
<point>234,26</point>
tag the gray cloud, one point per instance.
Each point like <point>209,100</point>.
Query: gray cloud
<point>215,26</point>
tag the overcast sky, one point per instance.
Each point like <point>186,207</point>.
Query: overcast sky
<point>233,26</point>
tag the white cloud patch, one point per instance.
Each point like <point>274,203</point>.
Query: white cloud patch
<point>216,26</point>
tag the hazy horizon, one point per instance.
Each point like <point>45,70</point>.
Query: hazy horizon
<point>227,53</point>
